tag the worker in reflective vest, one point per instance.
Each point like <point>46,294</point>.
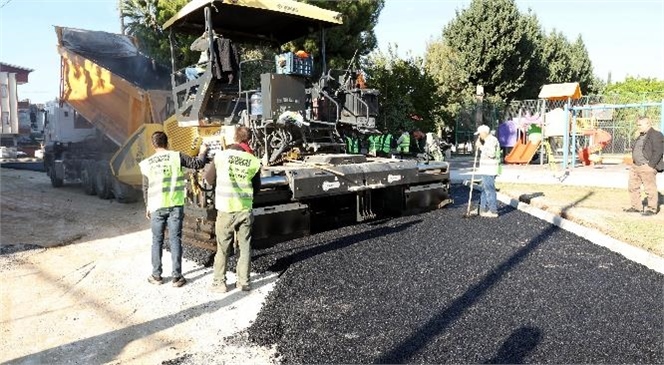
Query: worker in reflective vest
<point>385,145</point>
<point>490,159</point>
<point>374,141</point>
<point>236,174</point>
<point>352,143</point>
<point>164,196</point>
<point>403,143</point>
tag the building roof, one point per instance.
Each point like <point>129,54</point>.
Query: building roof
<point>561,91</point>
<point>6,67</point>
<point>21,72</point>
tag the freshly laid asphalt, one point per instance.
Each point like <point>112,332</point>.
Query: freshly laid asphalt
<point>439,288</point>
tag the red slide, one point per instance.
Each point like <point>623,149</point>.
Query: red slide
<point>522,153</point>
<point>600,139</point>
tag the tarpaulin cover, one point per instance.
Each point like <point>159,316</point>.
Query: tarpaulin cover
<point>118,54</point>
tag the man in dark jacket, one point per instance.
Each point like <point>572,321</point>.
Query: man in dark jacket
<point>647,158</point>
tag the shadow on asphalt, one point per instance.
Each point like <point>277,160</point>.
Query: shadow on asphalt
<point>517,346</point>
<point>283,263</point>
<point>404,351</point>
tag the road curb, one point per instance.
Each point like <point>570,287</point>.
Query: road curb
<point>630,252</point>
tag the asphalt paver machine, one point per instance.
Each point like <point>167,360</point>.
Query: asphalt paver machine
<point>308,182</point>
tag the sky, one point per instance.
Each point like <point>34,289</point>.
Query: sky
<point>622,37</point>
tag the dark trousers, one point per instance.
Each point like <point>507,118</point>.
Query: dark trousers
<point>159,220</point>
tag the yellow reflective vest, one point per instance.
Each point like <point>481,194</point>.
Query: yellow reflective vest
<point>166,180</point>
<point>234,169</point>
<point>374,141</point>
<point>404,145</point>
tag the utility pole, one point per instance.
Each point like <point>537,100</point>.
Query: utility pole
<point>122,24</point>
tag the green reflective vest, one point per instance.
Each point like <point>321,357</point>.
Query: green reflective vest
<point>352,145</point>
<point>490,165</point>
<point>386,143</point>
<point>235,169</point>
<point>374,141</point>
<point>404,146</point>
<point>165,180</point>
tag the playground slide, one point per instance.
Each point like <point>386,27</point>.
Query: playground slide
<point>600,139</point>
<point>522,152</point>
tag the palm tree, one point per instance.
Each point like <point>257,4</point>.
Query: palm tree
<point>140,16</point>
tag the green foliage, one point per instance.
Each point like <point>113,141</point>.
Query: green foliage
<point>636,85</point>
<point>443,64</point>
<point>357,32</point>
<point>494,46</point>
<point>406,89</point>
<point>144,20</point>
<point>568,62</point>
<point>491,43</point>
<point>635,90</point>
<point>537,73</point>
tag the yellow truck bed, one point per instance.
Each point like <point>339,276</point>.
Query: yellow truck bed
<point>112,85</point>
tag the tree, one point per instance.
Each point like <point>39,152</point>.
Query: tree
<point>144,20</point>
<point>568,62</point>
<point>406,90</point>
<point>637,85</point>
<point>494,45</point>
<point>357,32</point>
<point>443,64</point>
<point>536,74</point>
<point>582,66</point>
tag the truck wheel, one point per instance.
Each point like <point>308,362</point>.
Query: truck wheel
<point>102,181</point>
<point>56,182</point>
<point>123,193</point>
<point>88,178</point>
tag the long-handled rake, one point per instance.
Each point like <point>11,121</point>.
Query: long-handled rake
<point>472,183</point>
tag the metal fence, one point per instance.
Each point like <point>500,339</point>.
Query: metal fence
<point>619,123</point>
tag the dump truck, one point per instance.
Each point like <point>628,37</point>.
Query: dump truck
<point>308,182</point>
<point>116,89</point>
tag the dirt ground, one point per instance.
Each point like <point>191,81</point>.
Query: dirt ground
<point>597,208</point>
<point>90,302</point>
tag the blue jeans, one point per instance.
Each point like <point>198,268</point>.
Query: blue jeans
<point>159,220</point>
<point>488,196</point>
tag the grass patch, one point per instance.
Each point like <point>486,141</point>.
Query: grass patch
<point>598,208</point>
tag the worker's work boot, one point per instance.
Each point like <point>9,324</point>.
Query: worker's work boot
<point>474,210</point>
<point>489,214</point>
<point>648,213</point>
<point>219,287</point>
<point>157,280</point>
<point>179,281</point>
<point>245,287</point>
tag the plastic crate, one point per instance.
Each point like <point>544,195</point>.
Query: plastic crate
<point>290,64</point>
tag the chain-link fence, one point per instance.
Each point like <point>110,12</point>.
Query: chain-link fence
<point>618,123</point>
<point>472,115</point>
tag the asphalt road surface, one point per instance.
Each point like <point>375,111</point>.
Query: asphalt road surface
<point>439,288</point>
